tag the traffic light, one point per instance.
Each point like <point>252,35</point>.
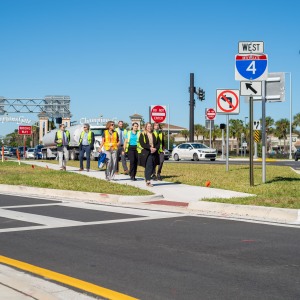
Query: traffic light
<point>201,94</point>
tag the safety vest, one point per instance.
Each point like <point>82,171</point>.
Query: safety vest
<point>89,137</point>
<point>60,137</point>
<point>160,135</point>
<point>137,139</point>
<point>139,147</point>
<point>111,140</point>
<point>124,133</point>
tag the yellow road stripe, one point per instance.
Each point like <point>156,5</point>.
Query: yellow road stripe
<point>77,283</point>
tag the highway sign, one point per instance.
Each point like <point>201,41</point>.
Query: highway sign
<point>25,130</point>
<point>251,47</point>
<point>275,88</point>
<point>250,88</point>
<point>210,114</point>
<point>228,102</point>
<point>158,113</point>
<point>251,67</point>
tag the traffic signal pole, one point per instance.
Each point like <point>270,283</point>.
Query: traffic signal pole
<point>192,101</point>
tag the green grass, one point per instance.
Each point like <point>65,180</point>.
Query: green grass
<point>282,188</point>
<point>12,173</point>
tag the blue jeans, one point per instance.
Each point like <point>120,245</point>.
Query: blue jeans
<point>87,150</point>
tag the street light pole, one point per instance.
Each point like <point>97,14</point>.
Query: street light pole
<point>291,118</point>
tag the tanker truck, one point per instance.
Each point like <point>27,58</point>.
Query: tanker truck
<point>49,150</point>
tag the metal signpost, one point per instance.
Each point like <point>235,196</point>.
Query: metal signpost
<point>251,66</point>
<point>24,130</point>
<point>228,103</point>
<point>210,115</point>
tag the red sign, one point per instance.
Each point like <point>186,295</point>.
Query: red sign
<point>158,114</point>
<point>210,114</point>
<point>26,130</point>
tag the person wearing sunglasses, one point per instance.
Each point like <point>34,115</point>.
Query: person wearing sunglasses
<point>86,145</point>
<point>110,142</point>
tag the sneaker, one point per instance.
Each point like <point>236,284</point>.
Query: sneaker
<point>126,172</point>
<point>159,177</point>
<point>153,177</point>
<point>148,183</point>
<point>87,170</point>
<point>80,170</point>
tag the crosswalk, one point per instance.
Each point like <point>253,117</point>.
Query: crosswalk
<point>46,213</point>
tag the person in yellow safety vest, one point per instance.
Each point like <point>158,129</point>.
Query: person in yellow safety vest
<point>148,157</point>
<point>159,135</point>
<point>121,154</point>
<point>86,145</point>
<point>131,146</point>
<point>62,140</point>
<point>110,142</point>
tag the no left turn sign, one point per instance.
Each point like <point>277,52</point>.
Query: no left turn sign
<point>228,102</point>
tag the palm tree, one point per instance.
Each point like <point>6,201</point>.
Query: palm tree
<point>197,130</point>
<point>185,133</point>
<point>216,133</point>
<point>281,130</point>
<point>235,130</point>
<point>269,130</point>
<point>296,122</point>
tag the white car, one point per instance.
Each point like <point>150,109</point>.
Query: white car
<point>194,151</point>
<point>29,153</point>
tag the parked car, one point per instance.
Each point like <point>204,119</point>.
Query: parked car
<point>194,151</point>
<point>38,152</point>
<point>6,151</point>
<point>29,153</point>
<point>297,154</point>
<point>21,150</point>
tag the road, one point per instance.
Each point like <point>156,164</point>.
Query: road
<point>152,254</point>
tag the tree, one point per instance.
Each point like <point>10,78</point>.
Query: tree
<point>185,133</point>
<point>269,130</point>
<point>296,122</point>
<point>216,133</point>
<point>281,130</point>
<point>199,130</point>
<point>235,130</point>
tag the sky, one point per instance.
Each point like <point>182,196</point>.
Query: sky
<point>117,58</point>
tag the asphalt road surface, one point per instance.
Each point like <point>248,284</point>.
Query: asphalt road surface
<point>150,254</point>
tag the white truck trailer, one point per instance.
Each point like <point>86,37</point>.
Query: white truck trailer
<point>50,149</point>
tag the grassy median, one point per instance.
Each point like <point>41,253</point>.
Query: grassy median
<point>12,173</point>
<point>282,188</point>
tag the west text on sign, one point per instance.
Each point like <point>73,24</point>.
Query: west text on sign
<point>251,47</point>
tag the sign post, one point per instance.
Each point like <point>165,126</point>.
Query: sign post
<point>210,114</point>
<point>25,130</point>
<point>251,64</point>
<point>158,113</point>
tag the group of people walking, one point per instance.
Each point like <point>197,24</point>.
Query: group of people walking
<point>143,148</point>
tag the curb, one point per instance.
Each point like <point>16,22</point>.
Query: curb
<point>75,195</point>
<point>258,213</point>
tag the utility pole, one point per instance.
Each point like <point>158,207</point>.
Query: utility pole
<point>201,96</point>
<point>192,107</point>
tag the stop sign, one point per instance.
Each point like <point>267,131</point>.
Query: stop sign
<point>210,114</point>
<point>158,113</point>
